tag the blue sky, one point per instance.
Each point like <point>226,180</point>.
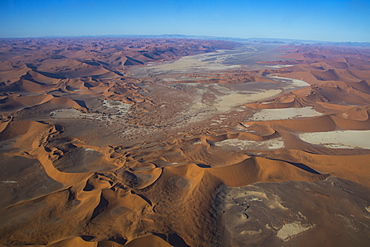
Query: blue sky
<point>325,20</point>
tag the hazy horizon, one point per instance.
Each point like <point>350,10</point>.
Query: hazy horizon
<point>335,21</point>
<point>185,36</point>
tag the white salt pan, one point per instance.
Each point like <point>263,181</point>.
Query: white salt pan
<point>339,138</point>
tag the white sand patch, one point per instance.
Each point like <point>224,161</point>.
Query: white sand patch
<point>120,109</point>
<point>285,113</point>
<point>272,201</point>
<point>276,143</point>
<point>279,66</point>
<point>232,100</point>
<point>339,138</point>
<point>117,105</point>
<point>292,82</point>
<point>251,232</point>
<point>207,61</point>
<point>291,229</point>
<point>67,113</point>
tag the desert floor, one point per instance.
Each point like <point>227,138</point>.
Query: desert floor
<point>179,142</point>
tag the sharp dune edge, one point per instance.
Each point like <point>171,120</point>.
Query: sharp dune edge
<point>123,142</point>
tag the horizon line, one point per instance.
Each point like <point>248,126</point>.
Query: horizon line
<point>189,36</point>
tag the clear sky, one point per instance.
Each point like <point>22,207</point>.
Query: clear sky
<point>324,20</point>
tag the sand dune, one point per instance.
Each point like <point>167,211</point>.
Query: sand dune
<point>10,73</point>
<point>40,78</point>
<point>321,123</point>
<point>160,142</point>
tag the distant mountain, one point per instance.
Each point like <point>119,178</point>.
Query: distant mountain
<point>254,40</point>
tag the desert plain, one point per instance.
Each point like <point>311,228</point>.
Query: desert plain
<point>183,142</point>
